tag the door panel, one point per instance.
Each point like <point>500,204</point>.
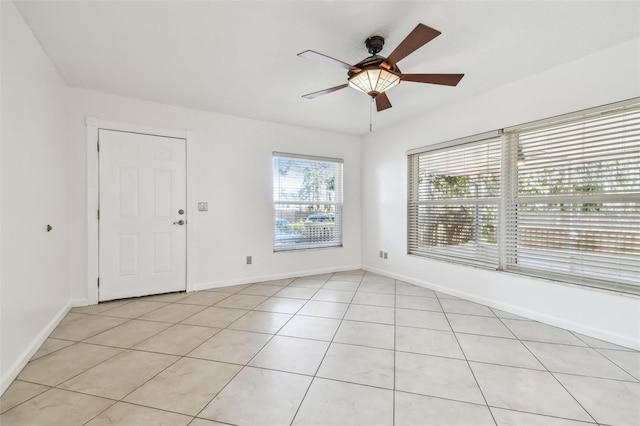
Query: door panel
<point>142,189</point>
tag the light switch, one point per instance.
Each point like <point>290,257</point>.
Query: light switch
<point>203,206</point>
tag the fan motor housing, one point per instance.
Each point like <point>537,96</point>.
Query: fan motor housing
<point>374,44</point>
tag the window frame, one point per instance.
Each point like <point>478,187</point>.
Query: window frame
<point>311,239</point>
<point>588,275</point>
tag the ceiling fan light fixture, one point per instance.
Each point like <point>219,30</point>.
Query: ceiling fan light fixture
<point>374,81</point>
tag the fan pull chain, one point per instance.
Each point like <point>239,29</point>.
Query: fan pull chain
<point>371,115</point>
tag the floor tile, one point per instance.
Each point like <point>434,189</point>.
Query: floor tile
<point>185,387</point>
<point>291,354</point>
<point>135,309</point>
<point>611,402</point>
<point>526,390</point>
<point>129,334</point>
<point>347,276</point>
<point>123,414</point>
<point>366,313</point>
<point>465,307</point>
<point>375,299</point>
<point>324,309</point>
<point>58,367</point>
<point>241,301</point>
<point>378,287</point>
<point>358,364</point>
<point>231,289</point>
<point>436,376</point>
<point>100,307</point>
<point>599,344</point>
<point>204,298</point>
<point>280,283</point>
<point>576,360</point>
<point>537,332</point>
<point>365,334</point>
<point>215,317</point>
<point>261,322</point>
<point>422,319</point>
<point>174,312</point>
<point>233,346</point>
<point>507,315</point>
<point>428,342</point>
<point>307,283</point>
<point>338,296</point>
<point>627,360</point>
<point>370,277</point>
<point>259,397</point>
<point>178,339</point>
<point>297,292</point>
<point>441,295</point>
<point>310,327</point>
<point>341,285</point>
<point>167,297</point>
<point>420,410</point>
<point>204,422</point>
<point>406,289</point>
<point>19,392</point>
<point>56,407</point>
<point>134,368</point>
<point>497,350</point>
<point>281,305</point>
<point>261,290</point>
<point>479,325</point>
<point>515,418</point>
<point>420,303</point>
<point>350,404</point>
<point>49,346</point>
<point>79,327</point>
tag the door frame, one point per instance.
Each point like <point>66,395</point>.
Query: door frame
<point>93,196</point>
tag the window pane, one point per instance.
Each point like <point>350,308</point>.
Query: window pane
<point>307,202</point>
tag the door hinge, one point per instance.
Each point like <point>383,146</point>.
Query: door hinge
<point>98,214</point>
<point>98,146</point>
<point>98,282</point>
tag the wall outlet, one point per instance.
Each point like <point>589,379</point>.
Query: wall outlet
<point>381,254</point>
<point>249,260</point>
<point>203,206</point>
<point>385,255</point>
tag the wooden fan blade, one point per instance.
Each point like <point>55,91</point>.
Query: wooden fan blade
<point>444,79</point>
<point>324,92</point>
<point>417,38</point>
<point>382,102</point>
<point>310,54</point>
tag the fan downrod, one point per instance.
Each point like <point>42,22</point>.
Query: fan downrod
<point>374,44</point>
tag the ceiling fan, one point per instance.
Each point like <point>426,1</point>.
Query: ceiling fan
<point>377,74</point>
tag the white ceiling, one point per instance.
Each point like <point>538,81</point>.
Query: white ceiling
<point>239,57</point>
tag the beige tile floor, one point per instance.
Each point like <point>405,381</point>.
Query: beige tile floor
<point>350,348</point>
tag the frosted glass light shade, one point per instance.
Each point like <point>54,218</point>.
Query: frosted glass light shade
<point>374,81</point>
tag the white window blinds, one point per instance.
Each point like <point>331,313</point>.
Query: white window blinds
<point>575,208</point>
<point>307,198</point>
<point>453,202</point>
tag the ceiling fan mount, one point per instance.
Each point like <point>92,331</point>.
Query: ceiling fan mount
<point>374,44</point>
<point>376,74</point>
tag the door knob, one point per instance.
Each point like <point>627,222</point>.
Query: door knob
<point>180,222</point>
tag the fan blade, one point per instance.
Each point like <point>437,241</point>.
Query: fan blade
<point>310,54</point>
<point>382,102</point>
<point>417,38</point>
<point>444,79</point>
<point>324,92</point>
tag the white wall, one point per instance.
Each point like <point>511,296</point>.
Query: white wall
<point>605,77</point>
<point>229,165</point>
<point>35,192</point>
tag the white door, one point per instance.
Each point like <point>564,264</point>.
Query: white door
<point>142,214</point>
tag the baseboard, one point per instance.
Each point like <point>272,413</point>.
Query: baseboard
<point>606,335</point>
<point>260,278</point>
<point>26,355</point>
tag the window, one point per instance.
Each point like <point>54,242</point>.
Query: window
<point>574,209</point>
<point>454,197</point>
<point>559,199</point>
<point>307,201</point>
